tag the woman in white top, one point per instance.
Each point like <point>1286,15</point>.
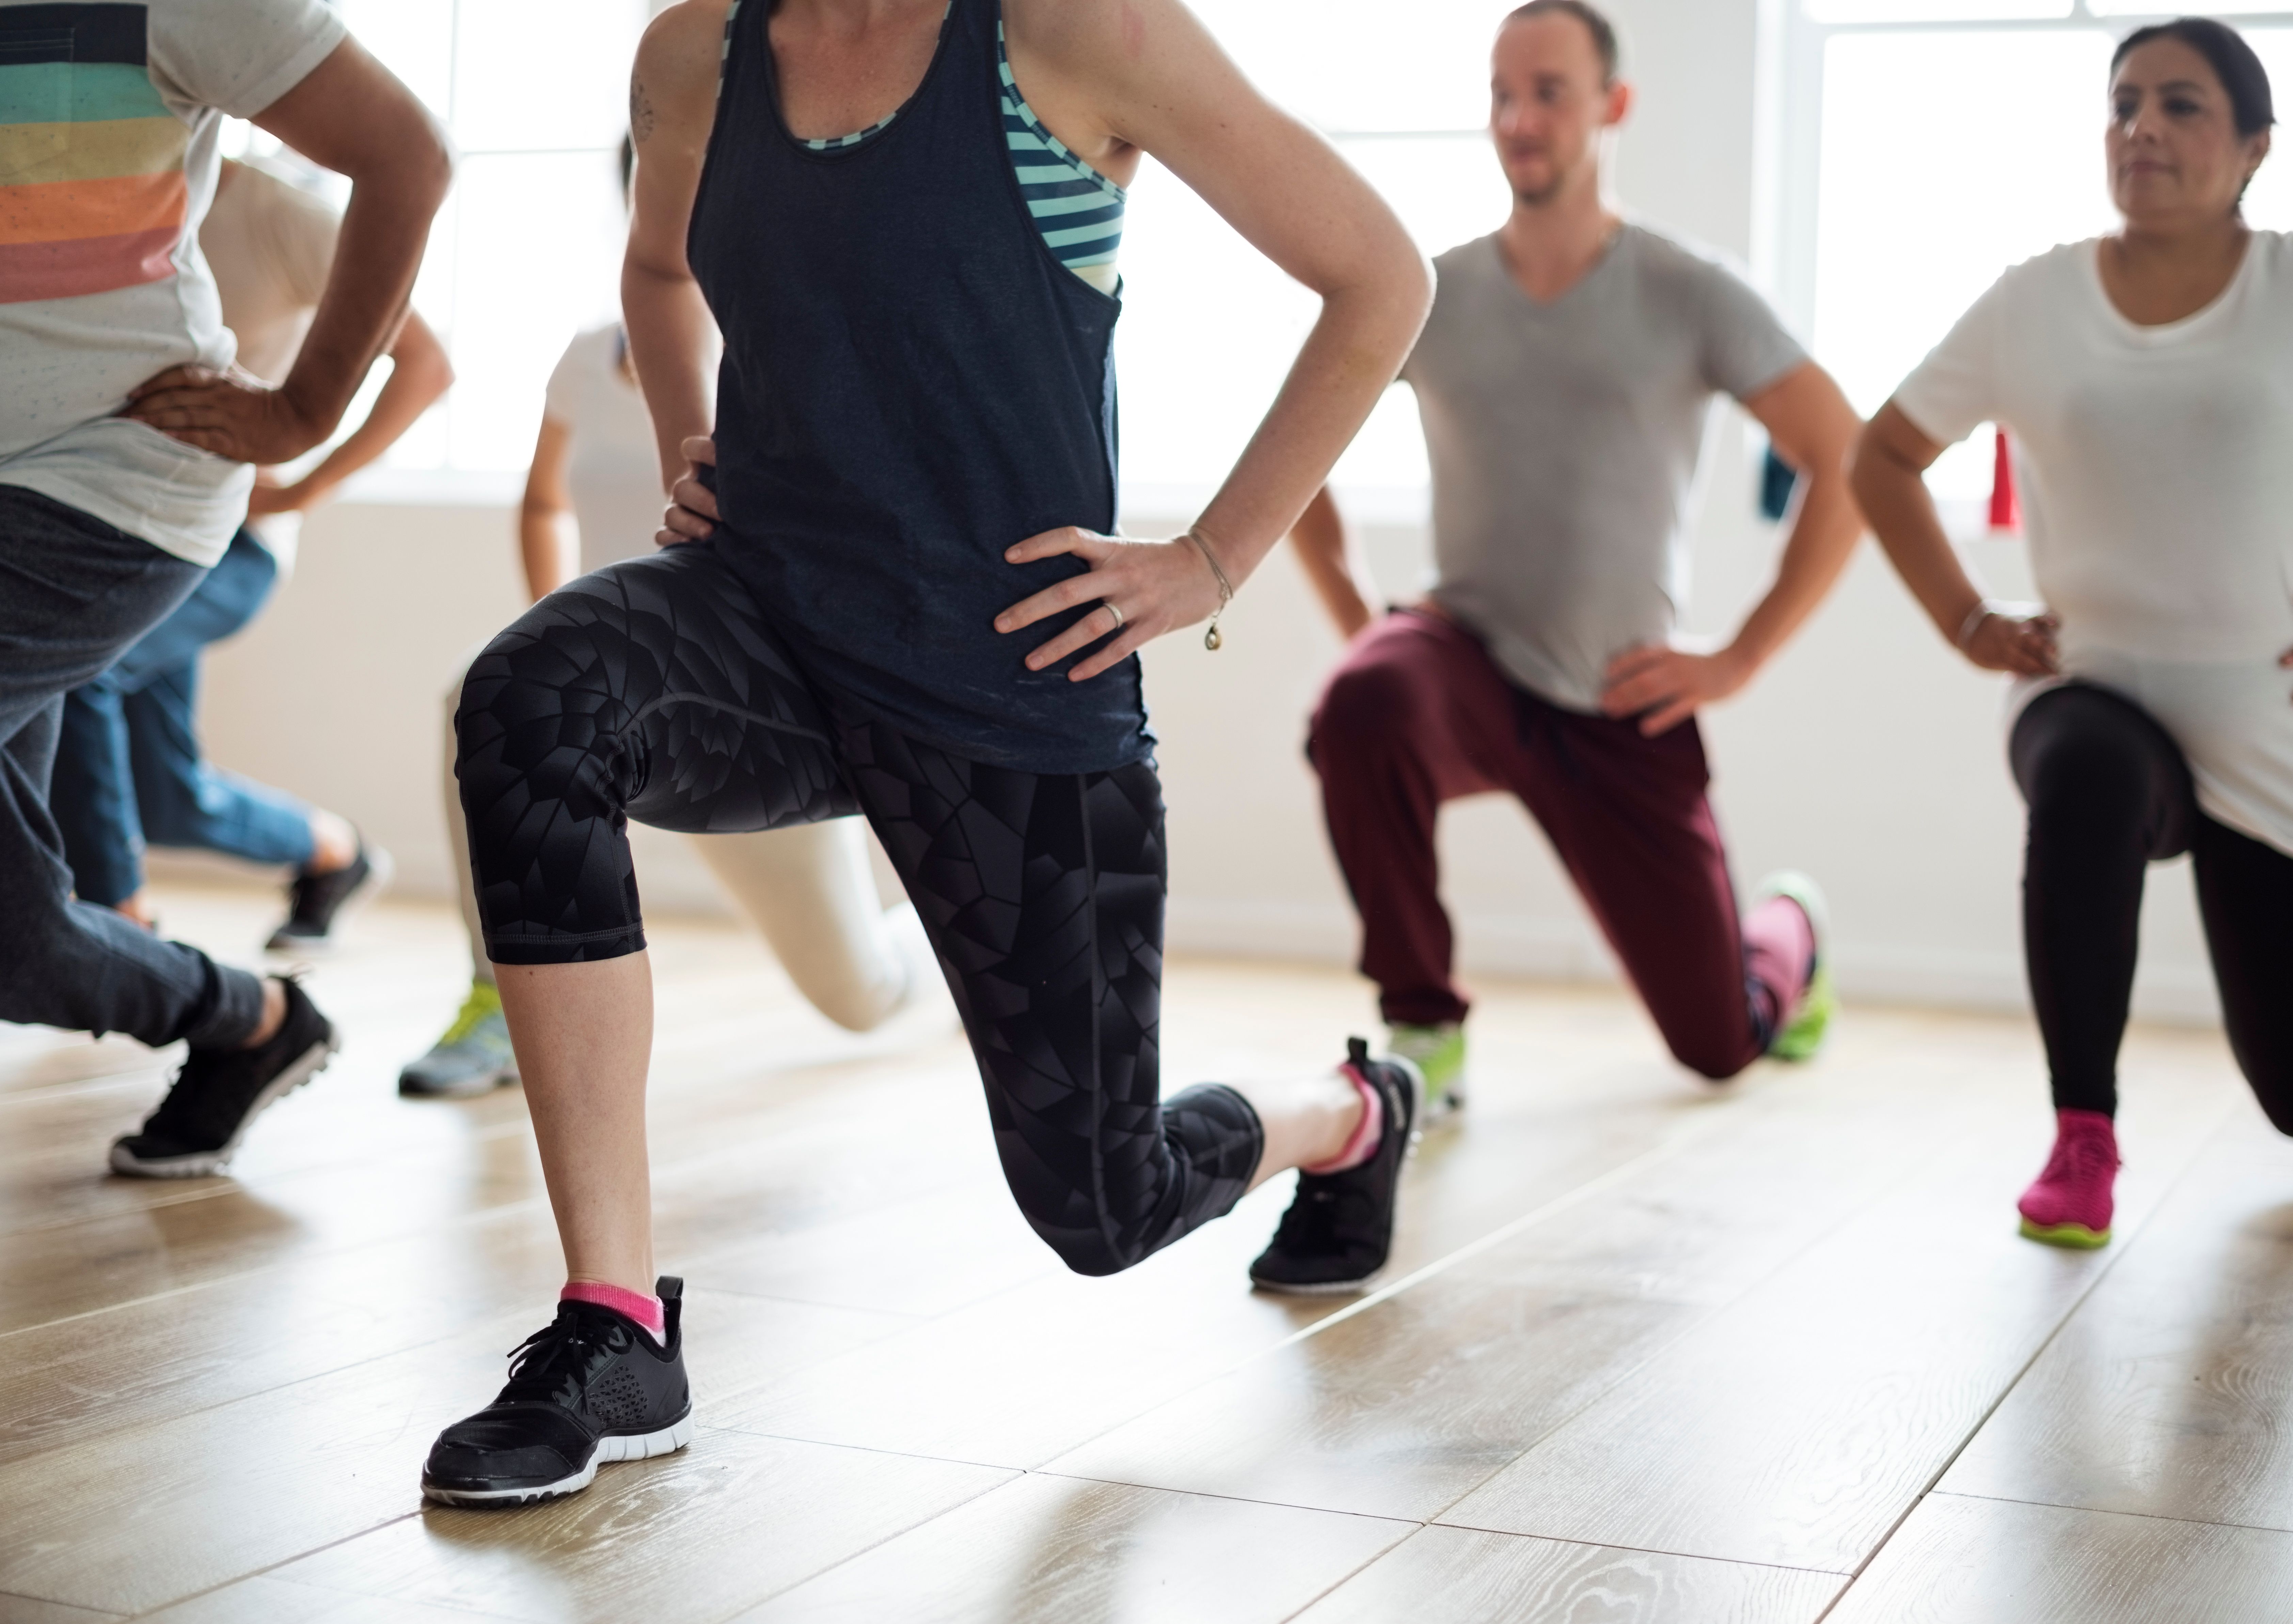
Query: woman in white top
<point>2146,381</point>
<point>811,890</point>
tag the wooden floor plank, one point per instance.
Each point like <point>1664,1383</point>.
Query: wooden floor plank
<point>1964,1561</point>
<point>30,1610</point>
<point>269,1601</point>
<point>697,1537</point>
<point>1735,1322</point>
<point>2170,1391</point>
<point>155,1514</point>
<point>1051,1550</point>
<point>1795,1427</point>
<point>1401,1410</point>
<point>1466,1576</point>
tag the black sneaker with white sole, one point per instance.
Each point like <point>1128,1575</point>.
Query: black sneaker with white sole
<point>220,1092</point>
<point>315,902</point>
<point>589,1387</point>
<point>1339,1230</point>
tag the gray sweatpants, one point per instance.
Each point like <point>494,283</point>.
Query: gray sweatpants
<point>74,593</point>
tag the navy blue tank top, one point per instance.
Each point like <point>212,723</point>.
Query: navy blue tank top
<point>911,382</point>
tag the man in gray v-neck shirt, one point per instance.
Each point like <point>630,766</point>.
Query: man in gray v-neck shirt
<point>1566,378</point>
<point>1565,439</point>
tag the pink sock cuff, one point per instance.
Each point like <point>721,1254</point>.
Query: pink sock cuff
<point>645,1309</point>
<point>1364,1144</point>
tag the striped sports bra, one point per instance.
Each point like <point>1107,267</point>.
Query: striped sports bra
<point>1078,210</point>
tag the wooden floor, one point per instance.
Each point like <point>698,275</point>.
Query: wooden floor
<point>1650,1351</point>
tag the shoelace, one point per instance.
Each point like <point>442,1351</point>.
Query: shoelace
<point>2084,1157</point>
<point>557,1361</point>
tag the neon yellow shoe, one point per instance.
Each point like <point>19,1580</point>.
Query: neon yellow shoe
<point>473,1057</point>
<point>1439,1054</point>
<point>1803,1035</point>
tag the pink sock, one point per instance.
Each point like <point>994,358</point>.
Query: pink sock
<point>646,1311</point>
<point>1364,1144</point>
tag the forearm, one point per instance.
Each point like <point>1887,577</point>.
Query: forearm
<point>546,548</point>
<point>1823,536</point>
<point>1353,352</point>
<point>1324,549</point>
<point>416,383</point>
<point>1902,515</point>
<point>384,234</point>
<point>672,342</point>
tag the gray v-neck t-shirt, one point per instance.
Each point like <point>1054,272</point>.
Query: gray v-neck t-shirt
<point>1565,440</point>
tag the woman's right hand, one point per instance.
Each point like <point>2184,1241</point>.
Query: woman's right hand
<point>2023,646</point>
<point>692,513</point>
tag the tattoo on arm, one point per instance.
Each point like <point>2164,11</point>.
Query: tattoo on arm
<point>642,117</point>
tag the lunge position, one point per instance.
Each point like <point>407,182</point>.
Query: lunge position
<point>125,454</point>
<point>130,768</point>
<point>903,216</point>
<point>2142,379</point>
<point>1565,378</point>
<point>593,498</point>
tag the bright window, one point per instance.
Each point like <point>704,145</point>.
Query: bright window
<point>1928,145</point>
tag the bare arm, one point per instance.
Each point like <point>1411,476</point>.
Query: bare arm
<point>352,115</point>
<point>672,337</point>
<point>1326,548</point>
<point>419,374</point>
<point>1150,77</point>
<point>547,539</point>
<point>1889,463</point>
<point>1814,429</point>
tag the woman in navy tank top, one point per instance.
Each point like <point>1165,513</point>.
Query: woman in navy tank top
<point>888,589</point>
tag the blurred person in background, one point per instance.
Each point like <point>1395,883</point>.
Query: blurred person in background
<point>2143,380</point>
<point>130,769</point>
<point>1567,378</point>
<point>128,449</point>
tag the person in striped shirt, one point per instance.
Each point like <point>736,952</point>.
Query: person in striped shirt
<point>128,447</point>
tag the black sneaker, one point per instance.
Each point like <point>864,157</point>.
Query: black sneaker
<point>220,1092</point>
<point>590,1386</point>
<point>315,902</point>
<point>1339,1229</point>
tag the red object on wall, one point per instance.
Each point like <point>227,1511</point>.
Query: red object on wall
<point>2005,514</point>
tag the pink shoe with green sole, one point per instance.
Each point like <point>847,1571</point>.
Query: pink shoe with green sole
<point>2071,1203</point>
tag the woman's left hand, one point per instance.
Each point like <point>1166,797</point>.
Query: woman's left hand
<point>1144,589</point>
<point>1664,686</point>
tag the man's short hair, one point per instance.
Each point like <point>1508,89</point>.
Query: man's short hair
<point>1596,23</point>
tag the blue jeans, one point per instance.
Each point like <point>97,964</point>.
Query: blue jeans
<point>129,769</point>
<point>74,596</point>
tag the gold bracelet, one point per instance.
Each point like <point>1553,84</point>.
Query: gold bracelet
<point>1210,639</point>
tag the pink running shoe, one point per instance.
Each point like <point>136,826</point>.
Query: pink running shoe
<point>2071,1204</point>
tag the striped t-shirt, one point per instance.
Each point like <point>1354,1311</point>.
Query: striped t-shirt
<point>109,116</point>
<point>1078,210</point>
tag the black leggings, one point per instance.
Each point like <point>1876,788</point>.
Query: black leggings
<point>2109,795</point>
<point>655,689</point>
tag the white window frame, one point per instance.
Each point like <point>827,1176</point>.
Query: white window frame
<point>1788,246</point>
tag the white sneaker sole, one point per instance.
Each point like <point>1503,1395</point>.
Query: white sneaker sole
<point>204,1164</point>
<point>643,1446</point>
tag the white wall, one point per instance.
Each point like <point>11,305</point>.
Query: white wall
<point>1868,754</point>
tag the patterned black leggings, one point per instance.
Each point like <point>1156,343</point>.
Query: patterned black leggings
<point>654,690</point>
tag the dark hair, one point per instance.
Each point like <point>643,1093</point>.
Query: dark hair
<point>1603,31</point>
<point>628,162</point>
<point>2234,61</point>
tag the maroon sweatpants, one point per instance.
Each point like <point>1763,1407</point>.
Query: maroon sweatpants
<point>1418,714</point>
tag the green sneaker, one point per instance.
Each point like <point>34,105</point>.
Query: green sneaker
<point>1803,1035</point>
<point>1439,1054</point>
<point>473,1057</point>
